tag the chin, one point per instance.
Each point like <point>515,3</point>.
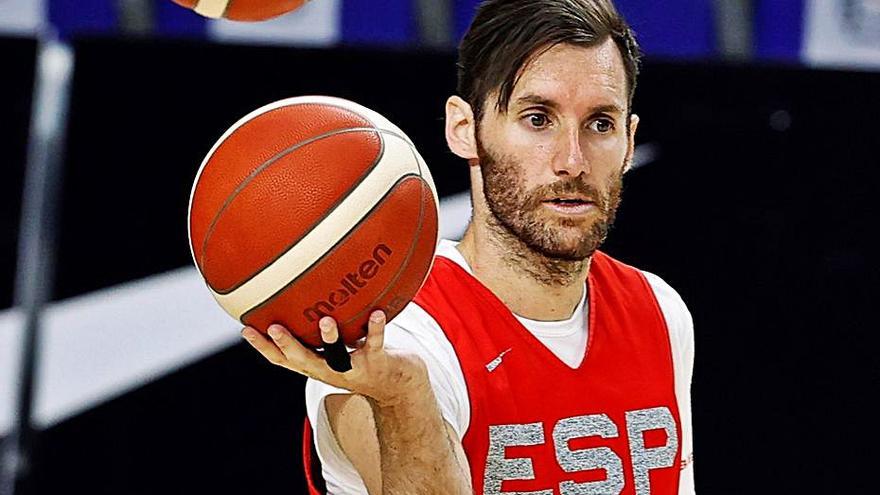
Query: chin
<point>567,250</point>
<point>575,243</point>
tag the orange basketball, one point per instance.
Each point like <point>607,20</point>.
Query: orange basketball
<point>313,206</point>
<point>242,10</point>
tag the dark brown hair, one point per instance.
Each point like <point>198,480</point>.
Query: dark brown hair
<point>507,34</point>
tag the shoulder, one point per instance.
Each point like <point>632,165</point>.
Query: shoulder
<point>675,311</point>
<point>669,299</point>
<point>414,329</point>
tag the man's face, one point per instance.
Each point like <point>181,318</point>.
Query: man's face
<point>552,164</point>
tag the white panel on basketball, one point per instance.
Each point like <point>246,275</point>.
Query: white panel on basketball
<point>379,121</point>
<point>212,8</point>
<point>398,160</point>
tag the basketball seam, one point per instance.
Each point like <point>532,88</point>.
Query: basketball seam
<point>329,251</point>
<point>281,154</point>
<point>395,164</point>
<point>412,248</point>
<point>289,150</point>
<point>263,110</point>
<point>330,211</point>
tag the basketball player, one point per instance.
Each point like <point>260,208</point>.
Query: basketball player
<point>529,362</point>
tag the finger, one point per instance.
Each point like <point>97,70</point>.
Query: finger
<point>335,351</point>
<point>329,330</point>
<point>376,331</point>
<point>263,345</point>
<point>296,355</point>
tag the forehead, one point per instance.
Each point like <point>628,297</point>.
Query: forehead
<point>572,74</point>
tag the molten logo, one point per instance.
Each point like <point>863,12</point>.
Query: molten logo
<point>350,284</point>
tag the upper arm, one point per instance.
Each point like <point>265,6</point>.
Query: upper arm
<point>681,338</point>
<point>351,421</point>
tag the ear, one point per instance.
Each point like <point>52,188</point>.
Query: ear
<point>461,128</point>
<point>631,141</point>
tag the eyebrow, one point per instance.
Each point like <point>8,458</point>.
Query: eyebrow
<point>533,99</point>
<point>536,100</point>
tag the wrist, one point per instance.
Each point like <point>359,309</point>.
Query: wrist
<point>409,386</point>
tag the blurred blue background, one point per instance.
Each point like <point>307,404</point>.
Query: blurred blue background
<point>793,31</point>
<point>756,201</point>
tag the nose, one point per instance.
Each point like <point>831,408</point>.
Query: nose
<point>570,157</point>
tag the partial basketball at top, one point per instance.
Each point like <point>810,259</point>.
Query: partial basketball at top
<point>313,206</point>
<point>242,10</point>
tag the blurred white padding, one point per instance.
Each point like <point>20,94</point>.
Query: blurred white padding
<point>22,17</point>
<point>100,345</point>
<point>842,34</point>
<point>455,213</point>
<point>11,325</point>
<point>316,24</point>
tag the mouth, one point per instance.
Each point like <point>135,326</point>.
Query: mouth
<point>571,205</point>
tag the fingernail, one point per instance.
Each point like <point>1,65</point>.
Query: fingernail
<point>326,323</point>
<point>377,316</point>
<point>248,334</point>
<point>274,332</point>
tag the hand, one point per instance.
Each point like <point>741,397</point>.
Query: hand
<point>386,376</point>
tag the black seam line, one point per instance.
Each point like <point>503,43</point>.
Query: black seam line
<point>329,251</point>
<point>406,260</point>
<point>332,208</point>
<point>238,125</point>
<point>323,217</point>
<point>263,166</point>
<point>284,153</point>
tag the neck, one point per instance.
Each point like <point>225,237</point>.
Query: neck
<point>530,284</point>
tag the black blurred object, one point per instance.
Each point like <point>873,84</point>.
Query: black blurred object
<point>16,86</point>
<point>36,246</point>
<point>760,211</point>
<point>230,424</point>
<point>337,356</point>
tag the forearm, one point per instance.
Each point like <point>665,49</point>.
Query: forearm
<point>417,456</point>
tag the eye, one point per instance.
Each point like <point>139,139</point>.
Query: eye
<point>602,126</point>
<point>538,120</point>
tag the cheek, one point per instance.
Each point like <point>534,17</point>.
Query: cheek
<point>607,153</point>
<point>530,156</point>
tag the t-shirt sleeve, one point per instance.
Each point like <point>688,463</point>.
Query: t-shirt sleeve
<point>681,338</point>
<point>413,330</point>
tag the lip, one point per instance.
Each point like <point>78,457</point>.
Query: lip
<point>571,197</point>
<point>571,209</point>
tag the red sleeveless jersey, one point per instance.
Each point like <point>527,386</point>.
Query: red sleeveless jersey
<point>539,427</point>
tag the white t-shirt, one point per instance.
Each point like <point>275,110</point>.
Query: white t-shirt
<point>416,331</point>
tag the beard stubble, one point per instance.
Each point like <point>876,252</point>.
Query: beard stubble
<point>564,244</point>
